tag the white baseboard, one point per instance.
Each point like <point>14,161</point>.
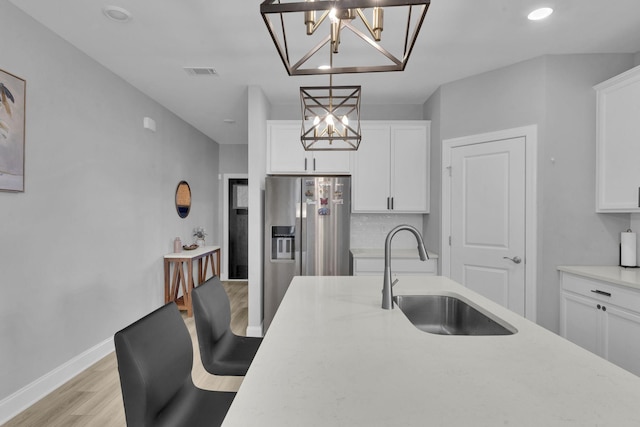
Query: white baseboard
<point>254,331</point>
<point>20,400</point>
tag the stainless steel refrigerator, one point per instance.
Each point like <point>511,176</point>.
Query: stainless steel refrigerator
<point>307,228</point>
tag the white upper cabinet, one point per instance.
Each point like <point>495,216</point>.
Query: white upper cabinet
<point>618,143</point>
<point>391,168</point>
<point>286,155</point>
<point>371,183</point>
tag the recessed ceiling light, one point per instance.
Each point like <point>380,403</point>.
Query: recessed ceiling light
<point>539,14</point>
<point>229,121</point>
<point>116,13</point>
<point>324,67</point>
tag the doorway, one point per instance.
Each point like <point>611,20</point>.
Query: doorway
<point>235,253</point>
<point>489,210</point>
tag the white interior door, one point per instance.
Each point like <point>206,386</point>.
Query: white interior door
<point>488,219</point>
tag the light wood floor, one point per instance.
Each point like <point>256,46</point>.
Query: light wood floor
<point>93,398</point>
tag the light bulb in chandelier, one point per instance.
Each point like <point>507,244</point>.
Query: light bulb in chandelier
<point>330,124</point>
<point>332,16</point>
<point>378,23</point>
<point>310,20</point>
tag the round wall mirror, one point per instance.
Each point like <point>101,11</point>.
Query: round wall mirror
<point>183,199</point>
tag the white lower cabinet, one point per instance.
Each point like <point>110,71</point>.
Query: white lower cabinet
<point>603,318</point>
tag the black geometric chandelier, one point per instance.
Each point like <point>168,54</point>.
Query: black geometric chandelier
<point>370,35</point>
<point>318,37</point>
<point>330,117</point>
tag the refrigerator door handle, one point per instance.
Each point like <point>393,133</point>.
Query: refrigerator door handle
<point>302,238</point>
<point>301,264</point>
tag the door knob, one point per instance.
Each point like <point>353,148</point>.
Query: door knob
<point>516,259</point>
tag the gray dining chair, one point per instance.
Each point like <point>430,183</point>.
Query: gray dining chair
<point>155,357</point>
<point>222,352</point>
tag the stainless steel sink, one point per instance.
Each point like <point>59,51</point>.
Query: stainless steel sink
<point>447,315</point>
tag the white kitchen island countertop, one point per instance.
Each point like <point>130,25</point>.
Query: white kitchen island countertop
<point>333,357</point>
<point>629,277</point>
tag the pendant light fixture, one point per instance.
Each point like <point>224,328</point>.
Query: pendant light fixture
<point>300,29</point>
<point>330,117</point>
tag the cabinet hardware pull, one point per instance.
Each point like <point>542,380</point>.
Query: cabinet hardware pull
<point>392,203</point>
<point>388,205</point>
<point>305,164</point>
<point>599,292</point>
<point>314,164</point>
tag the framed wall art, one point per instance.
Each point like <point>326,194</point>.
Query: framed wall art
<point>12,131</point>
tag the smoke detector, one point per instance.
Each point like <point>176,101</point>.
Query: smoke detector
<point>117,14</point>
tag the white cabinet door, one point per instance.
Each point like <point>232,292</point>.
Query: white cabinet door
<point>621,333</point>
<point>330,162</point>
<point>285,153</point>
<point>410,168</point>
<point>371,170</point>
<point>391,168</point>
<point>618,150</point>
<point>579,321</point>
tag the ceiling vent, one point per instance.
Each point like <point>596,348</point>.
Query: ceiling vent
<point>201,71</point>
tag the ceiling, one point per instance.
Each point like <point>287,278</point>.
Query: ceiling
<point>459,38</point>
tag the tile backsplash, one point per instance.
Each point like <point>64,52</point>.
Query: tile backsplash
<point>370,230</point>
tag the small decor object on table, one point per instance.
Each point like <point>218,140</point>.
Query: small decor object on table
<point>199,233</point>
<point>177,245</point>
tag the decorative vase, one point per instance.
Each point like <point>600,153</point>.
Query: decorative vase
<point>200,242</point>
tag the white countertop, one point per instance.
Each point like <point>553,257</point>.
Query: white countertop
<point>193,253</point>
<point>629,277</point>
<point>395,253</point>
<point>333,357</point>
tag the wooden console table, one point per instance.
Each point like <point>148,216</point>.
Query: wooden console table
<point>179,280</point>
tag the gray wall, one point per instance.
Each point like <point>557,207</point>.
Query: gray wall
<point>234,158</point>
<point>555,93</point>
<point>572,233</point>
<point>82,247</point>
<point>432,223</point>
